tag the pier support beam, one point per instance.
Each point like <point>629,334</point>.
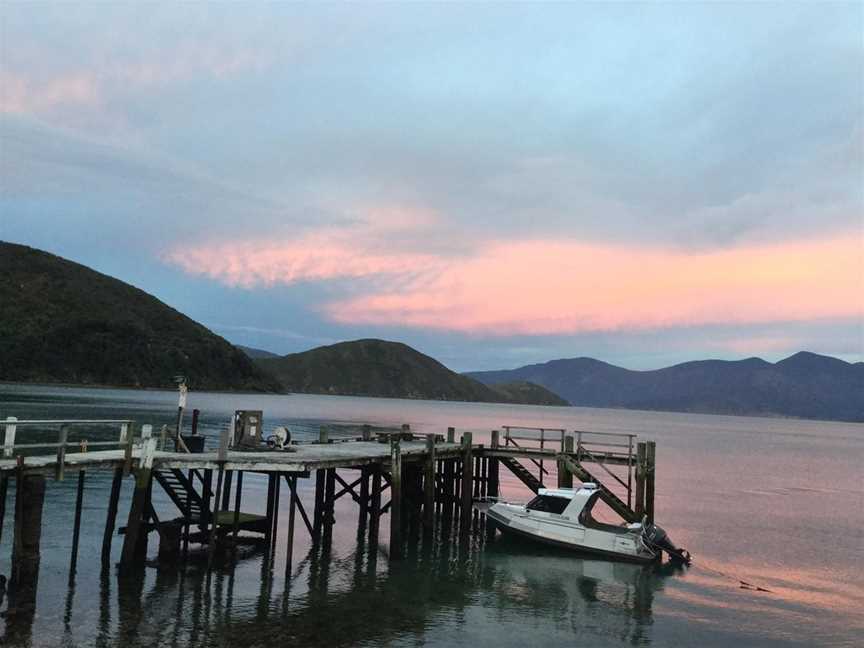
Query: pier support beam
<point>395,497</point>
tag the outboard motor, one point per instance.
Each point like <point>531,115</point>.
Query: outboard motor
<point>657,539</point>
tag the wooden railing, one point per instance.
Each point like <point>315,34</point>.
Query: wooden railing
<point>11,447</point>
<point>604,449</point>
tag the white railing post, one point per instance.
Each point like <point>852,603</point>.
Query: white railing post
<point>146,432</point>
<point>9,439</point>
<point>124,433</point>
<point>148,453</point>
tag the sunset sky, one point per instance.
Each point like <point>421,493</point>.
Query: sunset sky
<point>494,184</point>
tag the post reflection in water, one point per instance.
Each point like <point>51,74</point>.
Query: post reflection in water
<point>441,592</point>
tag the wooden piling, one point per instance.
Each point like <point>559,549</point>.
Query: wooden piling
<point>29,500</point>
<point>641,457</point>
<point>226,491</point>
<point>60,468</point>
<point>367,432</point>
<point>467,476</point>
<point>395,497</point>
<point>565,477</point>
<point>4,488</point>
<point>111,518</point>
<point>375,505</point>
<point>277,493</point>
<point>271,495</point>
<point>138,508</point>
<point>318,514</point>
<point>650,455</point>
<point>76,528</point>
<point>238,494</point>
<point>292,508</point>
<point>429,486</point>
<point>364,499</point>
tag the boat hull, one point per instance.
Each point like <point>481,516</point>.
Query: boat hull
<point>564,534</point>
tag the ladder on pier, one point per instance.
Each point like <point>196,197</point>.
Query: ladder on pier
<point>182,492</point>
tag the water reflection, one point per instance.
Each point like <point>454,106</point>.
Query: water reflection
<point>357,597</point>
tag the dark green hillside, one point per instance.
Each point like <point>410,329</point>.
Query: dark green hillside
<point>381,368</point>
<point>522,391</point>
<point>63,322</point>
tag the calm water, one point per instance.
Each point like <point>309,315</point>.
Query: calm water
<point>777,503</point>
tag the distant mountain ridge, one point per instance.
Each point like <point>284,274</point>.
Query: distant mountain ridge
<point>63,322</point>
<point>373,367</point>
<point>804,385</point>
<point>254,353</point>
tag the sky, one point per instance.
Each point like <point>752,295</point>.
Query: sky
<point>494,184</point>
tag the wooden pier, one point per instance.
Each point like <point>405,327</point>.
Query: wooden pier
<point>423,477</point>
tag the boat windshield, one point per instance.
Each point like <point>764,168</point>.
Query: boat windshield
<point>548,504</point>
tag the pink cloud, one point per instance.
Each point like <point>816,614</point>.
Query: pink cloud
<point>42,93</point>
<point>548,286</point>
<point>361,249</point>
<point>23,95</point>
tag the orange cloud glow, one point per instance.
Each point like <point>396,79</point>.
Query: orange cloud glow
<point>564,286</point>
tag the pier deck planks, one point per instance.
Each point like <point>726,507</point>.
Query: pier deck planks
<point>306,457</point>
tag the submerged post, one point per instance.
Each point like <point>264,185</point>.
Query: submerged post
<point>395,497</point>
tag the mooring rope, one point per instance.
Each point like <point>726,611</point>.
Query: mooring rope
<point>745,585</point>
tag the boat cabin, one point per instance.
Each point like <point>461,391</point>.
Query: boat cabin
<point>572,503</point>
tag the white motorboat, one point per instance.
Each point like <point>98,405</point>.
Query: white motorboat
<point>562,517</point>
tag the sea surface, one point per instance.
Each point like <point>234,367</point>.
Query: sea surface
<point>776,503</point>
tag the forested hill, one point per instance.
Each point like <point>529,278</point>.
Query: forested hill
<point>804,385</point>
<point>390,369</point>
<point>63,322</point>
